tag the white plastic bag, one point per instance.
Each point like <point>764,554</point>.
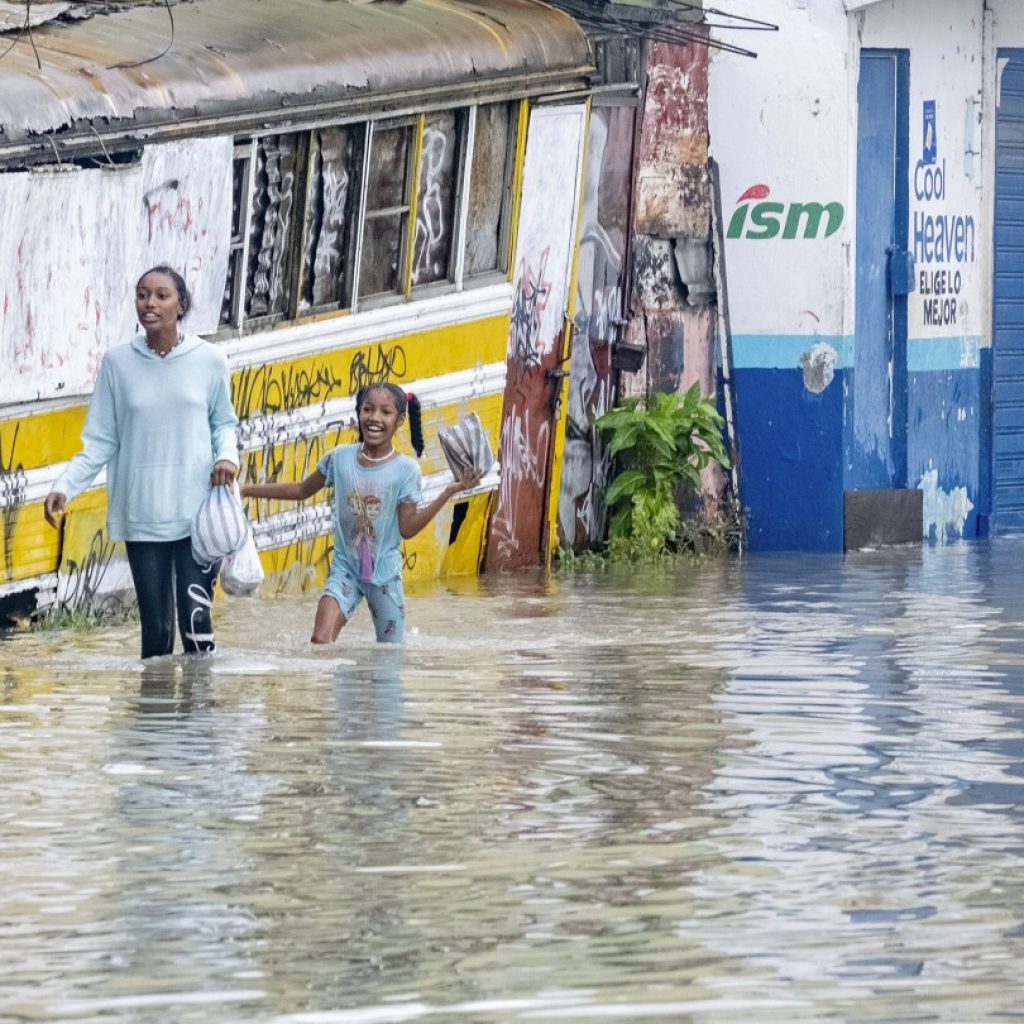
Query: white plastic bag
<point>241,572</point>
<point>219,525</point>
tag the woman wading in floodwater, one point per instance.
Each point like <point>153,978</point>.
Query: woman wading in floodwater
<point>161,421</point>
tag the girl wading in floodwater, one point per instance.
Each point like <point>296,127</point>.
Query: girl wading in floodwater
<point>161,421</point>
<point>376,505</point>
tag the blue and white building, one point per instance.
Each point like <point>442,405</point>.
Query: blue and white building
<point>872,170</point>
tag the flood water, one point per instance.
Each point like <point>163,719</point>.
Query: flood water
<point>773,789</point>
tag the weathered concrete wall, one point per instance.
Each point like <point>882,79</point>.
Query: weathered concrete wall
<point>780,131</point>
<point>673,290</point>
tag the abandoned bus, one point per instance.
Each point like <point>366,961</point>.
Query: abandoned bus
<point>355,192</point>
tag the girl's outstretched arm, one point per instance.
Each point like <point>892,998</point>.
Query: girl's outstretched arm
<point>412,518</point>
<point>297,491</point>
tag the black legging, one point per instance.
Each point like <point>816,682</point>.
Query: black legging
<point>165,572</point>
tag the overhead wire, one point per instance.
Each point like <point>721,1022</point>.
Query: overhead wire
<point>675,34</point>
<point>26,27</point>
<point>613,15</point>
<point>149,60</point>
<point>748,24</point>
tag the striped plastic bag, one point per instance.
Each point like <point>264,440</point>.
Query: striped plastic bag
<point>219,525</point>
<point>466,447</point>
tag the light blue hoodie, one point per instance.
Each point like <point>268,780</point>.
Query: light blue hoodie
<point>158,425</point>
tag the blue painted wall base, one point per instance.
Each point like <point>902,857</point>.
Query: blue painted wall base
<point>791,467</point>
<point>792,472</point>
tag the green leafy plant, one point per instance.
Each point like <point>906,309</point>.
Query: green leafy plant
<point>662,444</point>
<point>586,561</point>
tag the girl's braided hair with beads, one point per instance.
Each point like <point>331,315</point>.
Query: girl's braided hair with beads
<point>405,402</point>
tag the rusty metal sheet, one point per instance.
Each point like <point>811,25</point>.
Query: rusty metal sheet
<point>240,56</point>
<point>673,193</point>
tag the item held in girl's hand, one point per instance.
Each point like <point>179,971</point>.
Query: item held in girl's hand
<point>466,447</point>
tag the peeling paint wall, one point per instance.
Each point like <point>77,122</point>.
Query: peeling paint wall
<point>672,195</point>
<point>73,243</point>
<point>673,293</point>
<point>945,512</point>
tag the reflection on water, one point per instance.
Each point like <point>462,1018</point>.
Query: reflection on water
<point>779,789</point>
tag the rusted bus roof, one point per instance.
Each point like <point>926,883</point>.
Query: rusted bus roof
<point>14,16</point>
<point>242,56</point>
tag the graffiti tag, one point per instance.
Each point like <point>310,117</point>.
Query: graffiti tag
<point>13,483</point>
<point>268,389</point>
<point>85,581</point>
<point>528,305</point>
<point>524,447</point>
<point>375,365</point>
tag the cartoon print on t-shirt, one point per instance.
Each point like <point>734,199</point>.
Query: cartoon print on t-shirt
<point>365,508</point>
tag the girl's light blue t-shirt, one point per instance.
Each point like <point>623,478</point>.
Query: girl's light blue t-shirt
<point>367,542</point>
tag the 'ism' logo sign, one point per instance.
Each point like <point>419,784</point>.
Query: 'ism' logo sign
<point>763,220</point>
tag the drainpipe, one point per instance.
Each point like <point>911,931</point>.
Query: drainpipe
<point>724,332</point>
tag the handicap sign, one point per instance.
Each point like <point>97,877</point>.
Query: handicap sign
<point>930,148</point>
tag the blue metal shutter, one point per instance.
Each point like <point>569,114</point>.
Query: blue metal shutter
<point>1008,305</point>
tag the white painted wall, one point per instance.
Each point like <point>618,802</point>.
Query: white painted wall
<point>547,216</point>
<point>783,121</point>
<point>788,121</point>
<point>73,243</point>
<point>1007,22</point>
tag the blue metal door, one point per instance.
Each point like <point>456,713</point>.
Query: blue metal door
<point>876,415</point>
<point>1008,303</point>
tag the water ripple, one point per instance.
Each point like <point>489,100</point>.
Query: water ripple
<point>774,789</point>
